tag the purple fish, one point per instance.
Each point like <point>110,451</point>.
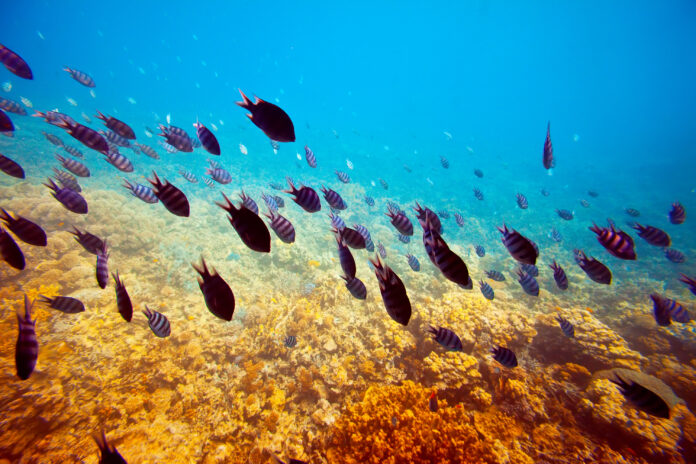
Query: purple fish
<point>15,63</point>
<point>271,119</point>
<point>548,159</point>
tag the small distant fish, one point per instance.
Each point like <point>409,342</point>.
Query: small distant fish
<point>642,398</point>
<point>459,219</point>
<point>282,227</point>
<point>27,347</point>
<point>382,251</point>
<point>565,214</point>
<point>123,301</point>
<point>12,107</point>
<point>522,201</point>
<point>519,247</point>
<point>486,290</point>
<point>337,222</point>
<point>276,146</point>
<point>290,341</point>
<point>545,192</point>
<point>528,283</point>
<point>189,176</point>
<point>555,235</point>
<point>67,180</point>
<point>432,402</point>
<point>383,183</point>
<point>147,150</point>
<point>356,287</point>
<point>632,212</point>
<point>675,256</point>
<point>478,173</point>
<point>102,268</point>
<point>54,139</point>
<point>86,117</point>
<point>65,304</point>
<point>413,262</point>
<point>81,77</point>
<point>653,235</point>
<point>559,276</point>
<point>343,177</point>
<point>446,338</point>
<point>407,168</point>
<point>168,148</point>
<point>443,213</point>
<point>677,215</point>
<point>243,149</point>
<point>369,201</point>
<point>71,101</point>
<point>594,269</point>
<point>689,282</point>
<point>73,151</point>
<point>504,356</point>
<point>592,193</point>
<point>548,159</point>
<point>584,203</point>
<point>480,251</point>
<point>478,194</point>
<point>444,162</point>
<point>276,186</point>
<point>495,275</point>
<point>530,269</point>
<point>309,156</point>
<point>26,102</point>
<point>566,327</point>
<point>403,238</point>
<point>158,322</point>
<point>349,163</point>
<point>448,135</point>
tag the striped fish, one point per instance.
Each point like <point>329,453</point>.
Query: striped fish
<point>486,290</point>
<point>632,212</point>
<point>343,177</point>
<point>528,283</point>
<point>369,201</point>
<point>158,322</point>
<point>559,276</point>
<point>504,356</point>
<point>356,287</point>
<point>54,139</point>
<point>102,269</point>
<point>677,215</point>
<point>480,251</point>
<point>14,63</point>
<point>119,161</point>
<point>403,238</point>
<point>309,156</point>
<point>369,245</point>
<point>617,242</point>
<point>181,142</point>
<point>555,235</point>
<point>345,257</point>
<point>290,341</point>
<point>12,106</point>
<point>279,201</point>
<point>653,235</point>
<point>519,247</point>
<point>248,225</point>
<point>70,199</point>
<point>443,213</point>
<point>384,184</point>
<point>448,262</point>
<point>207,139</point>
<point>249,202</point>
<point>88,137</point>
<point>446,338</point>
<point>565,214</point>
<point>167,147</point>
<point>54,118</point>
<point>90,242</point>
<point>282,227</point>
<point>393,292</point>
<point>689,282</point>
<point>675,256</point>
<point>270,201</point>
<point>276,186</point>
<point>522,201</point>
<point>566,327</point>
<point>123,301</point>
<point>413,262</point>
<point>333,199</point>
<point>547,158</point>
<point>189,176</point>
<point>401,223</point>
<point>642,398</point>
<point>495,275</point>
<point>424,214</point>
<point>11,168</point>
<point>530,269</point>
<point>119,127</point>
<point>65,304</point>
<point>444,162</point>
<point>394,208</point>
<point>73,151</point>
<point>337,222</point>
<point>147,150</point>
<point>27,347</point>
<point>209,182</point>
<point>25,230</point>
<point>81,77</point>
<point>478,194</point>
<point>305,197</point>
<point>459,219</point>
<point>381,250</point>
<point>594,269</point>
<point>10,251</point>
<point>217,293</point>
<point>142,192</point>
<point>73,166</point>
<point>219,175</point>
<point>661,310</point>
<point>171,197</point>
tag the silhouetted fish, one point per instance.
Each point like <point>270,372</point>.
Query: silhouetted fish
<point>352,238</point>
<point>566,327</point>
<point>677,215</point>
<point>81,77</point>
<point>519,247</point>
<point>642,398</point>
<point>273,121</point>
<point>584,203</point>
<point>393,292</point>
<point>107,453</point>
<point>70,199</point>
<point>495,275</point>
<point>207,138</point>
<point>171,197</point>
<point>592,193</point>
<point>5,123</point>
<point>355,287</point>
<point>594,269</point>
<point>423,214</point>
<point>522,201</point>
<point>446,338</point>
<point>27,347</point>
<point>282,227</point>
<point>65,304</point>
<point>559,275</point>
<point>528,283</point>
<point>345,257</point>
<point>448,262</point>
<point>401,223</point>
<point>504,356</point>
<point>413,262</point>
<point>25,230</point>
<point>248,225</point>
<point>548,160</point>
<point>14,63</point>
<point>10,251</point>
<point>158,322</point>
<point>90,242</point>
<point>217,293</point>
<point>11,168</point>
<point>486,290</point>
<point>118,126</point>
<point>689,282</point>
<point>141,192</point>
<point>88,137</point>
<point>333,199</point>
<point>653,235</point>
<point>123,301</point>
<point>305,196</point>
<point>617,242</point>
<point>565,214</point>
<point>102,269</point>
<point>478,173</point>
<point>675,256</point>
<point>309,156</point>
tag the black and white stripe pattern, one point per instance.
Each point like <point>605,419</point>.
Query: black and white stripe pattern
<point>141,192</point>
<point>12,106</point>
<point>356,287</point>
<point>74,166</point>
<point>147,150</point>
<point>403,238</point>
<point>90,242</point>
<point>270,201</point>
<point>528,283</point>
<point>381,250</point>
<point>219,175</point>
<point>566,327</point>
<point>504,356</point>
<point>54,139</point>
<point>675,256</point>
<point>413,262</point>
<point>480,251</point>
<point>677,215</point>
<point>565,214</point>
<point>67,180</point>
<point>65,304</point>
<point>171,197</point>
<point>594,269</point>
<point>27,347</point>
<point>208,140</point>
<point>617,242</point>
<point>158,322</point>
<point>249,202</point>
<point>486,290</point>
<point>189,176</point>
<point>102,269</point>
<point>559,275</point>
<point>309,156</point>
<point>119,161</point>
<point>401,223</point>
<point>115,138</point>
<point>522,201</point>
<point>81,77</point>
<point>653,235</point>
<point>446,338</point>
<point>282,227</point>
<point>478,194</point>
<point>73,151</point>
<point>495,275</point>
<point>343,177</point>
<point>54,117</point>
<point>180,142</point>
<point>118,126</point>
<point>369,245</point>
<point>519,247</point>
<point>70,199</point>
<point>444,162</point>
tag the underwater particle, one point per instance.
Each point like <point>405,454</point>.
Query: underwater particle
<point>413,262</point>
<point>334,199</point>
<point>653,235</point>
<point>504,356</point>
<point>282,227</point>
<point>594,269</point>
<point>88,137</point>
<point>559,275</point>
<point>271,119</point>
<point>305,197</point>
<point>171,197</point>
<point>158,322</point>
<point>71,200</point>
<point>107,453</point>
<point>677,214</point>
<point>27,347</point>
<point>342,176</point>
<point>64,304</point>
<point>689,282</point>
<point>309,156</point>
<point>393,292</point>
<point>14,63</point>
<point>71,101</point>
<point>675,256</point>
<point>132,100</point>
<point>102,268</point>
<point>519,247</point>
<point>26,102</point>
<point>24,229</point>
<point>207,139</point>
<point>10,251</point>
<point>565,214</point>
<point>478,194</point>
<point>566,327</point>
<point>80,76</point>
<point>290,341</point>
<point>217,293</point>
<point>248,225</point>
<point>243,149</point>
<point>617,242</point>
<point>356,287</point>
<point>118,126</point>
<point>313,263</point>
<point>448,135</point>
<point>123,301</point>
<point>495,275</point>
<point>446,338</point>
<point>522,201</point>
<point>547,158</point>
<point>528,283</point>
<point>642,398</point>
<point>486,290</point>
<point>5,123</point>
<point>576,138</point>
<point>432,402</point>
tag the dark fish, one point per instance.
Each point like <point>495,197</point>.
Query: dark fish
<point>290,341</point>
<point>593,268</point>
<point>448,262</point>
<point>248,225</point>
<point>446,338</point>
<point>90,242</point>
<point>478,194</point>
<point>555,235</point>
<point>403,238</point>
<point>393,292</point>
<point>54,139</point>
<point>11,168</point>
<point>548,159</point>
<point>207,138</point>
<point>383,183</point>
<point>632,212</point>
<point>355,287</point>
<point>413,262</point>
<point>504,356</point>
<point>73,166</point>
<point>425,214</point>
<point>107,453</point>
<point>102,270</point>
<point>369,246</point>
<point>381,250</point>
<point>369,201</point>
<point>486,290</point>
<point>674,255</point>
<point>81,77</point>
<point>459,219</point>
<point>65,304</point>
<point>12,107</point>
<point>27,347</point>
<point>480,251</point>
<point>282,227</point>
<point>689,282</point>
<point>217,293</point>
<point>519,247</point>
<point>530,269</point>
<point>352,238</point>
<point>309,156</point>
<point>444,162</point>
<point>171,197</point>
<point>273,121</point>
<point>617,242</point>
<point>306,197</point>
<point>333,199</point>
<point>142,192</point>
<point>290,461</point>
<point>118,126</point>
<point>478,173</point>
<point>545,192</point>
<point>123,301</point>
<point>394,208</point>
<point>119,161</point>
<point>158,322</point>
<point>653,235</point>
<point>270,201</point>
<point>432,402</point>
<point>147,150</point>
<point>10,251</point>
<point>528,283</point>
<point>249,202</point>
<point>565,214</point>
<point>88,137</point>
<point>677,215</point>
<point>642,398</point>
<point>566,327</point>
<point>559,276</point>
<point>73,151</point>
<point>495,275</point>
<point>177,140</point>
<point>345,257</point>
<point>25,230</point>
<point>343,177</point>
<point>14,63</point>
<point>522,201</point>
<point>401,223</point>
<point>6,123</point>
<point>70,199</point>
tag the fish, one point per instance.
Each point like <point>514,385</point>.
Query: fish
<point>352,238</point>
<point>566,327</point>
<point>486,290</point>
<point>446,338</point>
<point>90,242</point>
<point>393,292</point>
<point>305,197</point>
<point>276,146</point>
<point>6,123</point>
<point>102,269</point>
<point>547,158</point>
<point>70,199</point>
<point>362,230</point>
<point>653,235</point>
<point>528,283</point>
<point>432,402</point>
<point>276,186</point>
<point>73,151</point>
<point>64,304</point>
<point>54,117</point>
<point>530,269</point>
<point>444,162</point>
<point>249,202</point>
<point>119,161</point>
<point>118,126</point>
<point>333,199</point>
<point>495,275</point>
<point>565,214</point>
<point>617,242</point>
<point>182,142</point>
<point>381,250</point>
<point>584,203</point>
<point>545,192</point>
<point>394,208</point>
<point>559,275</point>
<point>675,256</point>
<point>171,197</point>
<point>209,182</point>
<point>478,194</point>
<point>73,166</point>
<point>661,310</point>
<point>594,269</point>
<point>309,156</point>
<point>678,214</point>
<point>147,150</point>
<point>27,347</point>
<point>504,356</point>
<point>345,257</point>
<point>478,173</point>
<point>10,251</point>
<point>383,183</point>
<point>123,301</point>
<point>592,193</point>
<point>207,139</point>
<point>217,293</point>
<point>54,139</point>
<point>107,453</point>
<point>337,222</point>
<point>413,262</point>
<point>81,77</point>
<point>219,175</point>
<point>168,148</point>
<point>642,398</point>
<point>480,251</point>
<point>520,248</point>
<point>141,192</point>
<point>403,238</point>
<point>88,137</point>
<point>243,149</point>
<point>555,235</point>
<point>369,201</point>
<point>632,212</point>
<point>282,227</point>
<point>689,282</point>
<point>24,229</point>
<point>290,341</point>
<point>343,177</point>
<point>11,167</point>
<point>459,219</point>
<point>291,461</point>
<point>158,322</point>
<point>401,223</point>
<point>189,176</point>
<point>443,213</point>
<point>248,225</point>
<point>355,286</point>
<point>522,201</point>
<point>14,63</point>
<point>448,262</point>
<point>271,119</point>
<point>12,106</point>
